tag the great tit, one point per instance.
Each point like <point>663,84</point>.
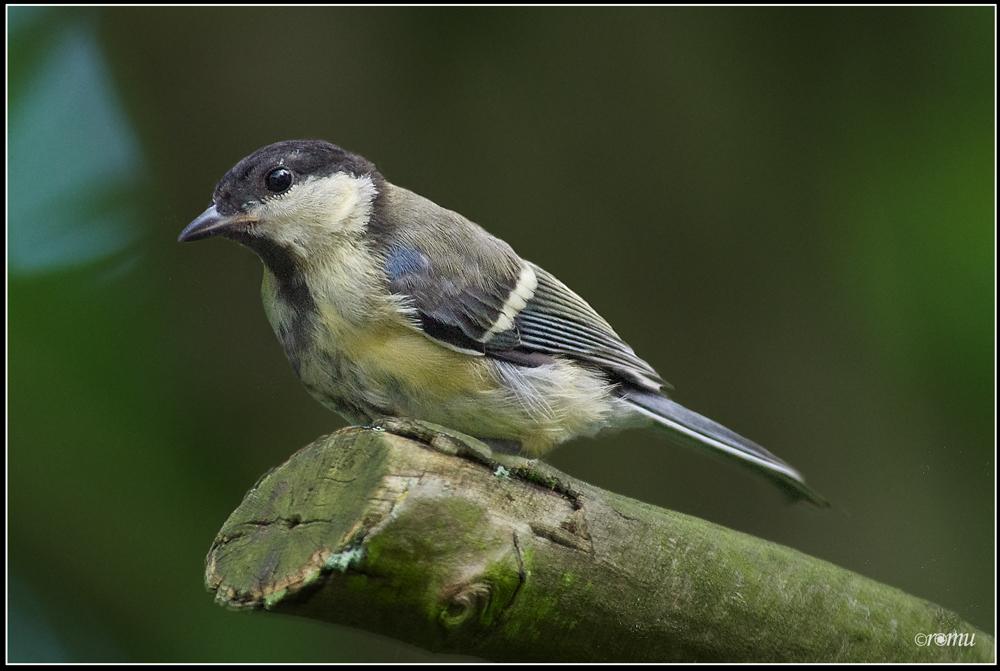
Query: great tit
<point>388,304</point>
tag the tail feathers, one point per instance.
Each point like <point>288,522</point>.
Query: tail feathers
<point>691,429</point>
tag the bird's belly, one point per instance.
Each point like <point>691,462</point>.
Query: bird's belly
<point>394,370</point>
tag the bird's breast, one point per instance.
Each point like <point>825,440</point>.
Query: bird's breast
<point>373,367</point>
<point>381,366</point>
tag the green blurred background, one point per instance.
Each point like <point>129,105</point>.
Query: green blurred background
<point>788,212</point>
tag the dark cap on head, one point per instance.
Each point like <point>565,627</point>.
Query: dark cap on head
<point>304,158</point>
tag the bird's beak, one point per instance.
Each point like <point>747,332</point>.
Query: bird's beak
<point>210,223</point>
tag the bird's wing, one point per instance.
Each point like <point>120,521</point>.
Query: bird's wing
<point>464,310</point>
<point>509,309</point>
<point>557,321</point>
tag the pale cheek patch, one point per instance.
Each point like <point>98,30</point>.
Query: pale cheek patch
<point>317,211</point>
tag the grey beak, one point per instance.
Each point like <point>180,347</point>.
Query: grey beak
<point>208,223</point>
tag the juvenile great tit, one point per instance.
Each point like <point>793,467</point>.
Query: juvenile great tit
<point>387,304</point>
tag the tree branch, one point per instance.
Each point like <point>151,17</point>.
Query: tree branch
<point>420,533</point>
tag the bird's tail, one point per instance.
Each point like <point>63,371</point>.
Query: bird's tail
<point>691,429</point>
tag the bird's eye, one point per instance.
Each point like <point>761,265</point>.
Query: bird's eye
<point>278,180</point>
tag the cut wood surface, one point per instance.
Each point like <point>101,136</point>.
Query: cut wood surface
<point>416,532</point>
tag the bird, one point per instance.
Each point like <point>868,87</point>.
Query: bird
<point>389,305</point>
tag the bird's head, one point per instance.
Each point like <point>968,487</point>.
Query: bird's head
<point>293,197</point>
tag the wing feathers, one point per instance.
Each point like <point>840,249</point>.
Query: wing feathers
<point>558,321</point>
<point>469,291</point>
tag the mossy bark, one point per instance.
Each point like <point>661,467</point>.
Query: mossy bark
<point>417,532</point>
